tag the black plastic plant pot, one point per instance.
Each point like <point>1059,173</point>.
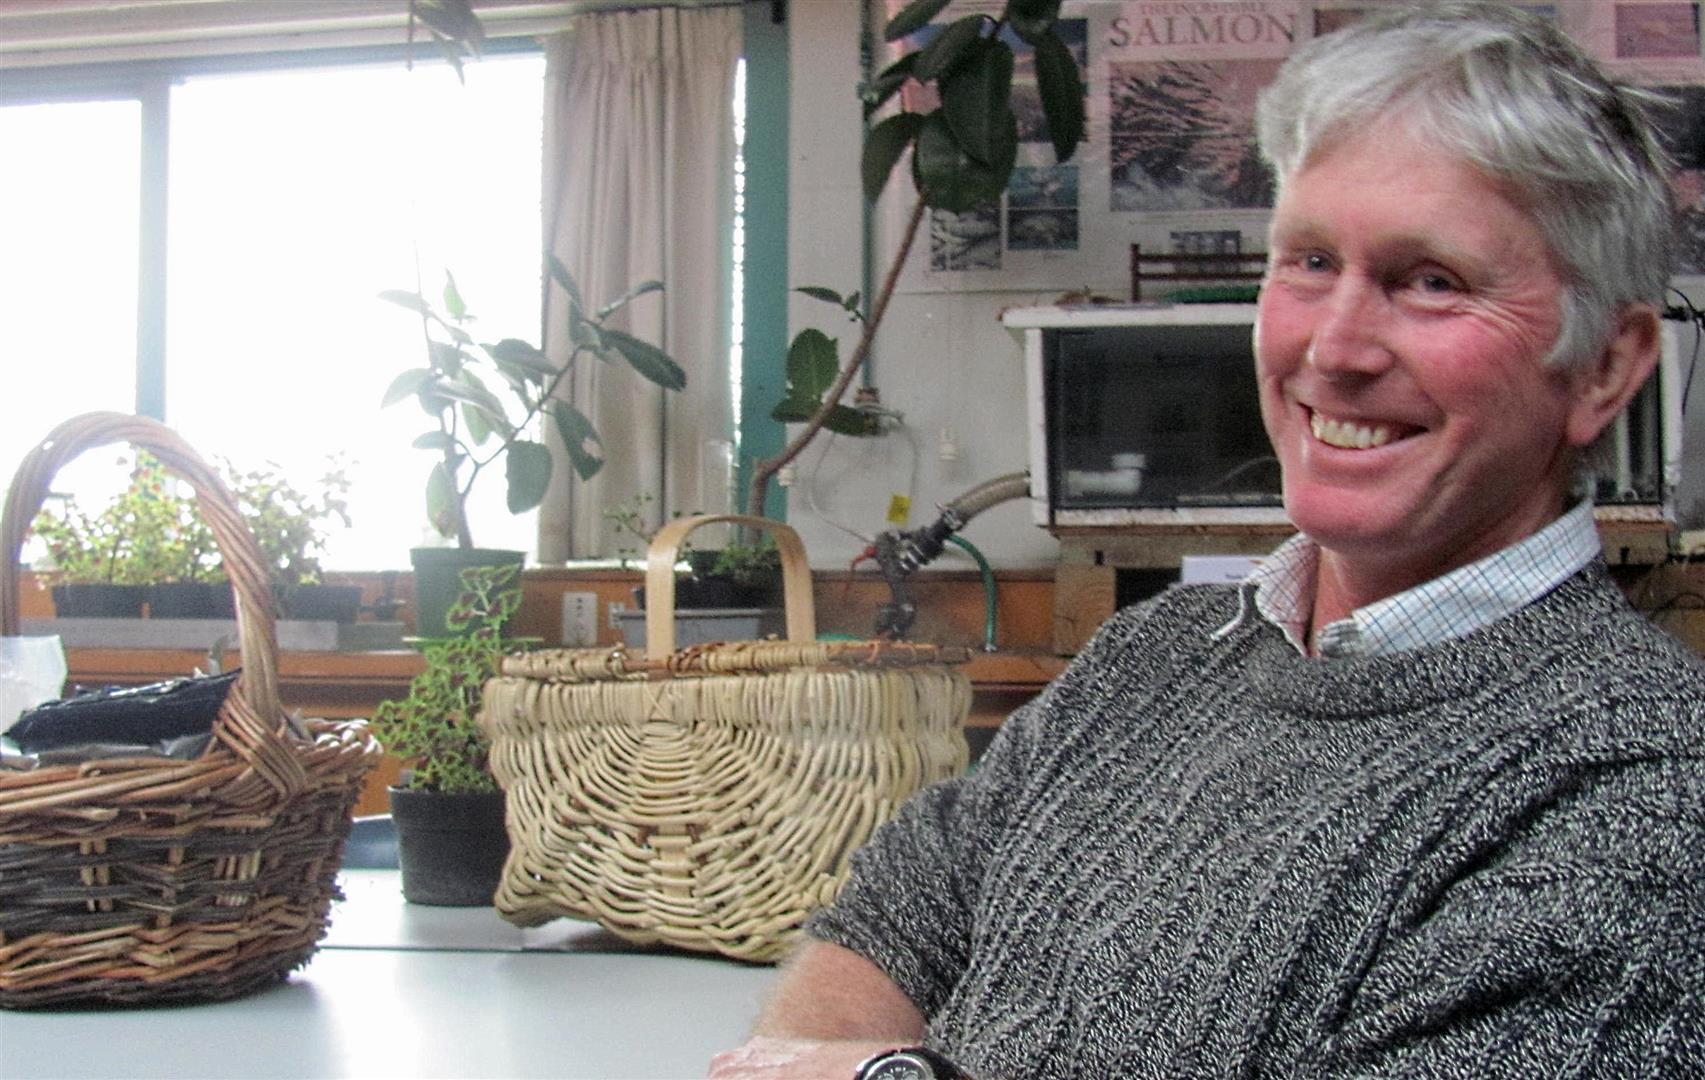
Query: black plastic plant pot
<point>333,603</point>
<point>99,601</point>
<point>693,593</point>
<point>451,847</point>
<point>192,600</point>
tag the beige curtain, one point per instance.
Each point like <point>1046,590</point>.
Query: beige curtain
<point>639,158</point>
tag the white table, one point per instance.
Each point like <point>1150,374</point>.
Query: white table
<point>402,990</point>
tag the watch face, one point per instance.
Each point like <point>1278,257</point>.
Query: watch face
<point>899,1066</point>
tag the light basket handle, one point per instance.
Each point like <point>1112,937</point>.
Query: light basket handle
<point>665,551</point>
<point>252,722</point>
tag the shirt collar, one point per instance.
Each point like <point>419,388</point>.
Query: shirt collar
<point>1450,606</point>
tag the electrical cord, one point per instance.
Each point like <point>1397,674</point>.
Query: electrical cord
<point>811,495</point>
<point>1697,318</point>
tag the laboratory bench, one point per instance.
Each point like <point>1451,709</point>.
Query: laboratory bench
<point>407,990</point>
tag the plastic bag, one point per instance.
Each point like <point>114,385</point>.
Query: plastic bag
<point>32,670</point>
<point>136,716</point>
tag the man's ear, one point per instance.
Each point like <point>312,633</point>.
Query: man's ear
<point>1603,386</point>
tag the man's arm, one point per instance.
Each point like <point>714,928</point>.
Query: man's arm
<point>830,992</point>
<point>830,1009</point>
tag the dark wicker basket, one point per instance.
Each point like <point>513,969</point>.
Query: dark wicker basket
<point>146,879</point>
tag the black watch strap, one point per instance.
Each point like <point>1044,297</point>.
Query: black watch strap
<point>908,1062</point>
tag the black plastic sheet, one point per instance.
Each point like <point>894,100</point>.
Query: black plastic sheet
<point>164,718</point>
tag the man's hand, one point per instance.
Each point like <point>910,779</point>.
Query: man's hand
<point>768,1057</point>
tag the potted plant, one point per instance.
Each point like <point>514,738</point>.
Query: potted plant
<point>485,403</point>
<point>448,810</point>
<point>102,563</point>
<point>732,592</point>
<point>736,575</point>
<point>150,540</point>
<point>291,524</point>
<point>963,151</point>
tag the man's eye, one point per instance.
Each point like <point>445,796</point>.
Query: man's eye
<point>1315,261</point>
<point>1436,283</point>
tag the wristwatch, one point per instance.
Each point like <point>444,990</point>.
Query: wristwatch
<point>909,1063</point>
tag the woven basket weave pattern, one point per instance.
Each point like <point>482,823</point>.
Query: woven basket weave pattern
<point>136,880</point>
<point>710,798</point>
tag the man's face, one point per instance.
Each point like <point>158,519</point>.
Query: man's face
<point>1399,341</point>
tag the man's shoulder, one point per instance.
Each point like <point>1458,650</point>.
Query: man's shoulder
<point>1619,636</point>
<point>1173,615</point>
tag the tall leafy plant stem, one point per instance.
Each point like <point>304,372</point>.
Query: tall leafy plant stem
<point>451,428</point>
<point>447,424</point>
<point>532,412</point>
<point>769,467</point>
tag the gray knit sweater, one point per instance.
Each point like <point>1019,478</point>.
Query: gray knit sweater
<point>1192,857</point>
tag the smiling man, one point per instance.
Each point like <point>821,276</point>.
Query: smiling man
<point>1425,797</point>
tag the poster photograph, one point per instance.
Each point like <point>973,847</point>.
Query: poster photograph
<point>1169,162</point>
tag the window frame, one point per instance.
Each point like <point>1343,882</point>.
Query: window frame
<point>149,83</point>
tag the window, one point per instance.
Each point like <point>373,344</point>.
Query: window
<point>294,197</point>
<point>67,279</point>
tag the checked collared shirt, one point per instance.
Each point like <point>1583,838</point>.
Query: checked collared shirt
<point>1449,606</point>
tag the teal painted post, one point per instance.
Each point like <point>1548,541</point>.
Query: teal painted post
<point>764,364</point>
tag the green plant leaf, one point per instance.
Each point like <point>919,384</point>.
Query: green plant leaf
<point>479,429</point>
<point>952,179</point>
<point>647,359</point>
<point>434,440</point>
<point>844,420</point>
<point>1031,19</point>
<point>522,360</point>
<point>453,19</point>
<point>475,394</point>
<point>627,298</point>
<point>883,146</point>
<point>888,83</point>
<point>453,302</point>
<point>441,500</point>
<point>411,300</point>
<point>813,363</point>
<point>795,410</point>
<point>446,357</point>
<point>585,449</point>
<point>913,17</point>
<point>585,335</point>
<point>950,47</point>
<point>976,99</point>
<point>559,274</point>
<point>1061,87</point>
<point>818,292</point>
<point>527,467</point>
<point>407,385</point>
<point>483,412</point>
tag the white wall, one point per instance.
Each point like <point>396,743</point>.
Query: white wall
<point>942,359</point>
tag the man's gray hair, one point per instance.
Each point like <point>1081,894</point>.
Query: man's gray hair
<point>1505,91</point>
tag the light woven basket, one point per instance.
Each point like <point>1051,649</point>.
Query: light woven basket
<point>710,798</point>
<point>147,879</point>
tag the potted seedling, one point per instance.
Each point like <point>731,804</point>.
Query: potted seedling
<point>732,591</point>
<point>102,563</point>
<point>292,525</point>
<point>448,809</point>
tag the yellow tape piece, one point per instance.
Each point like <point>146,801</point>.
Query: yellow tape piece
<point>899,509</point>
